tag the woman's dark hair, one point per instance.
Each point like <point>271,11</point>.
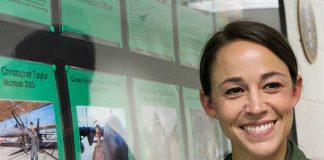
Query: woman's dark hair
<point>249,31</point>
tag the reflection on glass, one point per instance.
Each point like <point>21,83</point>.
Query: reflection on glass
<point>218,5</point>
<point>225,11</point>
<point>161,139</point>
<point>205,138</point>
<point>159,120</point>
<point>208,143</point>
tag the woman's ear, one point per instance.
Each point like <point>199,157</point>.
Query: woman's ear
<point>297,90</point>
<point>207,104</point>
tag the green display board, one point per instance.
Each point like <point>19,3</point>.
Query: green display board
<point>96,18</point>
<point>194,28</point>
<point>29,95</point>
<point>205,138</point>
<point>150,29</point>
<point>34,10</point>
<point>99,99</point>
<point>159,121</point>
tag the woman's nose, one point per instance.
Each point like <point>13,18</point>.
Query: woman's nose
<point>255,105</point>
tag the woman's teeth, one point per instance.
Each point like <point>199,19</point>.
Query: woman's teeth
<point>259,129</point>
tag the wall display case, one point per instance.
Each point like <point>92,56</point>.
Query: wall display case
<point>30,119</point>
<point>133,63</point>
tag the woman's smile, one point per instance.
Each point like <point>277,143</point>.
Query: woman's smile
<point>259,131</point>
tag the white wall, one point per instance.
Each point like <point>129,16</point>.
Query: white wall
<point>310,110</point>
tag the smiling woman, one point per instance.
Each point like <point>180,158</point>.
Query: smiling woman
<point>250,82</point>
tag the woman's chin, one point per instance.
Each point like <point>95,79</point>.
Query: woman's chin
<point>264,150</point>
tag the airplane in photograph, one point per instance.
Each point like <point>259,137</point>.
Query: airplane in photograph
<point>88,132</point>
<point>114,139</point>
<point>110,133</point>
<point>18,133</point>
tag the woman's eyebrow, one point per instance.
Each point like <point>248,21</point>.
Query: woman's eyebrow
<point>271,74</point>
<point>231,79</point>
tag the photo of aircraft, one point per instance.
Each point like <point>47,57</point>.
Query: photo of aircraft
<point>27,128</point>
<point>88,132</point>
<point>104,125</point>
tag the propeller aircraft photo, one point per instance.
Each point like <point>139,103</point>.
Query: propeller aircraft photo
<point>19,121</point>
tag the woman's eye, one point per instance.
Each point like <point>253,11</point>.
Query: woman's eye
<point>235,90</point>
<point>272,85</point>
